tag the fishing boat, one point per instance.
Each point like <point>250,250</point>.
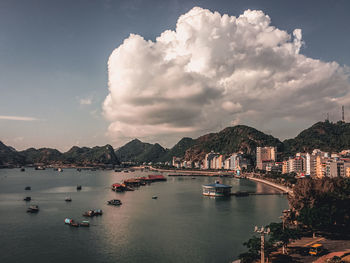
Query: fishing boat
<point>27,188</point>
<point>33,209</point>
<point>67,221</point>
<point>28,198</point>
<point>89,213</point>
<point>75,224</point>
<point>68,199</point>
<point>85,223</point>
<point>115,202</point>
<point>98,212</point>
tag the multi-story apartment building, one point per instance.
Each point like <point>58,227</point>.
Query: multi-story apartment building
<point>265,155</point>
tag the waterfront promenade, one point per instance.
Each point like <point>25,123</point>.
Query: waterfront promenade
<point>277,186</point>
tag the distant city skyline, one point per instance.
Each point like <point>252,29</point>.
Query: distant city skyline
<point>177,68</point>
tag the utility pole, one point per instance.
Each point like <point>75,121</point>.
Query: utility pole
<point>262,233</point>
<point>284,217</point>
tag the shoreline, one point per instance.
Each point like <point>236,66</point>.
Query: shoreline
<point>284,189</point>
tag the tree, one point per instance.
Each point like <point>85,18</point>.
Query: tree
<point>322,204</point>
<point>281,236</point>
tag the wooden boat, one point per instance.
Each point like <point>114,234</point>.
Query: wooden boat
<point>89,213</point>
<point>85,224</point>
<point>98,212</point>
<point>75,224</point>
<point>28,198</point>
<point>27,188</point>
<point>115,202</point>
<point>33,209</point>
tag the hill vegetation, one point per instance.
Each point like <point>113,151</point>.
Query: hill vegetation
<point>326,136</point>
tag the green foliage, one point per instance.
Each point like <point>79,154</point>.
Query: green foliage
<point>326,136</point>
<point>137,151</point>
<point>322,204</point>
<point>254,246</point>
<point>96,155</point>
<point>253,253</point>
<point>283,236</point>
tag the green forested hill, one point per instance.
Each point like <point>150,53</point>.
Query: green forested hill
<point>326,136</point>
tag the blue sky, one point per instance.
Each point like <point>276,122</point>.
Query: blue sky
<point>53,57</point>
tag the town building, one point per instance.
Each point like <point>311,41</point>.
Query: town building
<point>265,155</point>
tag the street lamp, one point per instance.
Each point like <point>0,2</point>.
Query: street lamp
<point>262,231</point>
<point>284,217</point>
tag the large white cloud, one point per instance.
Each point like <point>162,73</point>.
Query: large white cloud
<point>215,70</point>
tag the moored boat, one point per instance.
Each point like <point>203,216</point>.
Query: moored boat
<point>22,169</point>
<point>33,209</point>
<point>27,188</point>
<point>28,198</point>
<point>85,223</point>
<point>154,197</point>
<point>68,199</point>
<point>115,202</point>
<point>79,187</point>
<point>89,213</point>
<point>98,212</point>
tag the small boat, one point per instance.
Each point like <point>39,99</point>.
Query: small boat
<point>67,221</point>
<point>75,224</point>
<point>89,213</point>
<point>33,209</point>
<point>59,169</point>
<point>93,169</point>
<point>98,212</point>
<point>27,188</point>
<point>115,202</point>
<point>79,169</point>
<point>193,178</point>
<point>68,199</point>
<point>22,169</point>
<point>154,197</point>
<point>79,187</point>
<point>28,198</point>
<point>126,171</point>
<point>39,168</point>
<point>85,223</point>
<point>117,170</point>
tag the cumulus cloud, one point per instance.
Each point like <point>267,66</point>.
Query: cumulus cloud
<point>213,71</point>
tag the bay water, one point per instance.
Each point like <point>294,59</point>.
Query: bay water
<point>181,225</point>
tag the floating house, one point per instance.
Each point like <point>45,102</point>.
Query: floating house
<point>217,189</point>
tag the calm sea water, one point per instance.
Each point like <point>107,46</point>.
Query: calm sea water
<point>180,226</point>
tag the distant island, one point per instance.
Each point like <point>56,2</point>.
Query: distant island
<point>326,136</point>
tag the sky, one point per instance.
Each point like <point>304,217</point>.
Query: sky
<point>89,73</point>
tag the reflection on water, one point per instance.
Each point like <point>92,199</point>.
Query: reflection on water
<point>181,225</point>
